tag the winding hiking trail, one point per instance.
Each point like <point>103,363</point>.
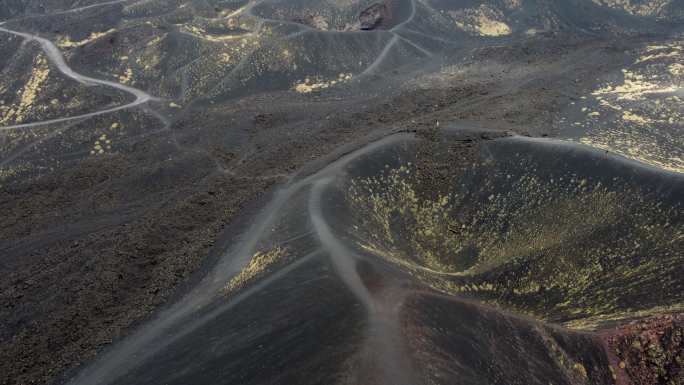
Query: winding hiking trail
<point>383,353</point>
<point>383,348</point>
<point>55,56</point>
<point>385,360</point>
<point>195,309</point>
<point>142,97</point>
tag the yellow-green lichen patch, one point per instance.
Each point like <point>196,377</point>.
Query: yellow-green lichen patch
<point>66,42</point>
<point>259,265</point>
<point>102,144</point>
<point>484,20</point>
<point>127,77</point>
<point>29,94</point>
<point>636,7</point>
<point>309,85</point>
<point>641,114</point>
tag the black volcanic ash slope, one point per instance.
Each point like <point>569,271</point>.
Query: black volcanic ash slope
<point>109,219</point>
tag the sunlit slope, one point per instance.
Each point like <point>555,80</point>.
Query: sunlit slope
<point>637,110</point>
<point>185,50</point>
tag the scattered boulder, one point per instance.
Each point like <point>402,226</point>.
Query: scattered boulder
<point>372,17</point>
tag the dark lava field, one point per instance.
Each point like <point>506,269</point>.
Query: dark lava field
<point>398,192</point>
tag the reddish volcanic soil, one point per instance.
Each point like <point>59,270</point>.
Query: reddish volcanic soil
<point>649,351</point>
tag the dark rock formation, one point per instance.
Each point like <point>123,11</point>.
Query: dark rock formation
<point>651,351</point>
<point>372,17</point>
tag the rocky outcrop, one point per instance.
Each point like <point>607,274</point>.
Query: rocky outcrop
<point>650,351</point>
<point>372,17</point>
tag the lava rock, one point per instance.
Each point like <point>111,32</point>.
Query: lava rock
<point>373,16</point>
